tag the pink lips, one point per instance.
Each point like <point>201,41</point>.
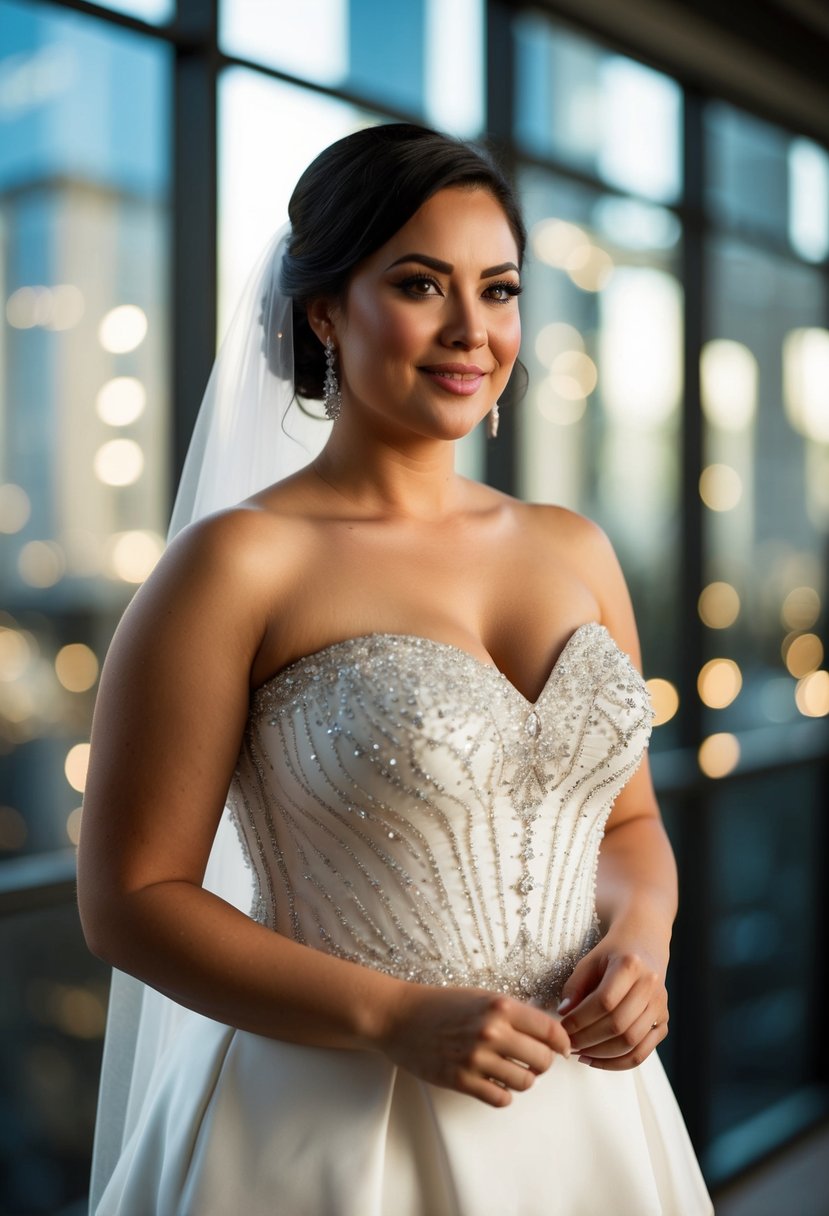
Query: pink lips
<point>463,379</point>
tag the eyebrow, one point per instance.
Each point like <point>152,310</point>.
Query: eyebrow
<point>446,268</point>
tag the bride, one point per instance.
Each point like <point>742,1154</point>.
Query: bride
<point>419,701</point>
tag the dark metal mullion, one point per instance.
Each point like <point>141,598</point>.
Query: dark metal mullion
<point>693,933</point>
<point>501,466</point>
<point>194,213</point>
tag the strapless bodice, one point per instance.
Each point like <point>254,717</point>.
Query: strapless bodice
<point>405,807</point>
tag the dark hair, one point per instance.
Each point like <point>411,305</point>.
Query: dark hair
<point>353,198</point>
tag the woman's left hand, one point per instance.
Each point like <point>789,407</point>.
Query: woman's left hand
<point>618,1008</point>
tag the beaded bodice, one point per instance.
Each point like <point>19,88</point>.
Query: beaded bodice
<point>405,807</point>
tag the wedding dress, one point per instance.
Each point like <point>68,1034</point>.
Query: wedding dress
<point>402,805</point>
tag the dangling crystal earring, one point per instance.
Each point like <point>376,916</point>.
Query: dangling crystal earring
<point>492,420</point>
<point>331,388</point>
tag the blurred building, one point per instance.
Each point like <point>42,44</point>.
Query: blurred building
<point>672,158</point>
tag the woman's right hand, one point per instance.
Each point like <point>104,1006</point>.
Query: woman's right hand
<point>479,1043</point>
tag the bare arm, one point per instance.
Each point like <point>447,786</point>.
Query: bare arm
<point>169,718</point>
<point>617,992</point>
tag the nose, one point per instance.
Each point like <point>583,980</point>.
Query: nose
<point>464,327</point>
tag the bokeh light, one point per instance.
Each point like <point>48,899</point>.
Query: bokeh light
<point>123,329</point>
<point>119,462</point>
<point>73,825</point>
<point>719,754</point>
<point>801,608</point>
<point>134,555</point>
<point>15,507</point>
<point>664,699</point>
<point>76,666</point>
<point>554,339</point>
<point>802,653</point>
<point>719,683</point>
<point>41,563</point>
<point>121,400</point>
<point>812,695</point>
<point>76,765</point>
<point>15,653</point>
<point>718,605</point>
<point>729,384</point>
<point>720,487</point>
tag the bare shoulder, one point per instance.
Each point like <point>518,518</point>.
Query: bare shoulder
<point>586,548</point>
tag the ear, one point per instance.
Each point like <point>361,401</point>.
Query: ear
<point>321,317</point>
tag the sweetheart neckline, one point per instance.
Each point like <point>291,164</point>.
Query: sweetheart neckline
<point>418,639</point>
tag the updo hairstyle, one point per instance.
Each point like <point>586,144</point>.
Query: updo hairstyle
<point>352,199</point>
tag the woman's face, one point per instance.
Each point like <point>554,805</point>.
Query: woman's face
<point>430,327</point>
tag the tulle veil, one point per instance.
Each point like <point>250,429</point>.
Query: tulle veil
<point>249,433</point>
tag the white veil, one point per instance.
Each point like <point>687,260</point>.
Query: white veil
<point>247,435</point>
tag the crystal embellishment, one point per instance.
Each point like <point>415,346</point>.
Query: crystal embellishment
<point>403,806</point>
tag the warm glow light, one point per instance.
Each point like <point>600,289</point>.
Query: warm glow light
<point>590,267</point>
<point>719,682</point>
<point>803,654</point>
<point>119,462</point>
<point>76,667</point>
<point>719,755</point>
<point>718,605</point>
<point>12,829</point>
<point>67,306</point>
<point>664,699</point>
<point>560,410</point>
<point>556,241</point>
<point>801,608</point>
<point>123,329</point>
<point>76,765</point>
<point>573,375</point>
<point>640,346</point>
<point>556,338</point>
<point>73,825</point>
<point>15,654</point>
<point>812,695</point>
<point>58,307</point>
<point>121,401</point>
<point>15,507</point>
<point>41,563</point>
<point>720,487</point>
<point>729,384</point>
<point>78,1011</point>
<point>806,382</point>
<point>134,554</point>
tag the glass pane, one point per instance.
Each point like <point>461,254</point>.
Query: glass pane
<point>51,1030</point>
<point>599,428</point>
<point>765,850</point>
<point>410,63</point>
<point>766,489</point>
<point>83,387</point>
<point>759,178</point>
<point>596,111</point>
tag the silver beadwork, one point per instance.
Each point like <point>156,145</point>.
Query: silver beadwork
<point>492,420</point>
<point>406,807</point>
<point>331,386</point>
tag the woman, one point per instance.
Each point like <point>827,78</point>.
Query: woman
<point>418,694</point>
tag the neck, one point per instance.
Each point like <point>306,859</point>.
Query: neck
<point>383,477</point>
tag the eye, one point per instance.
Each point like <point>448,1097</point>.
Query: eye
<point>420,286</point>
<point>504,291</point>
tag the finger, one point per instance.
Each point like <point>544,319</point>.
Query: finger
<point>620,1045</point>
<point>632,1010</point>
<point>538,1057</point>
<point>485,1090</point>
<point>620,978</point>
<point>631,1059</point>
<point>505,1072</point>
<point>539,1025</point>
